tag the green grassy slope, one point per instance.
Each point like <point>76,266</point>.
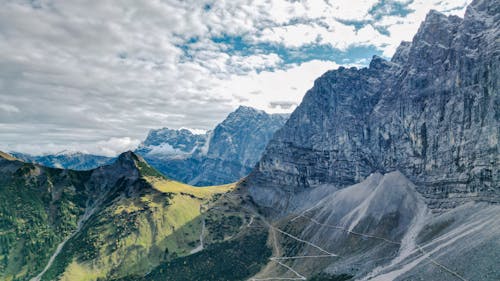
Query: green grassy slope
<point>141,223</point>
<point>40,206</point>
<point>133,234</point>
<point>236,245</point>
<point>235,259</point>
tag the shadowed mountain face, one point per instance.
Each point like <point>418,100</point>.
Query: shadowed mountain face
<point>43,206</point>
<point>223,155</point>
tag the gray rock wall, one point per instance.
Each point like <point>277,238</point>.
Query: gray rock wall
<point>432,112</point>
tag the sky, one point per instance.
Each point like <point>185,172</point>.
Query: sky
<point>95,76</point>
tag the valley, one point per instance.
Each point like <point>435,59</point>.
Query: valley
<point>387,172</point>
<point>131,211</point>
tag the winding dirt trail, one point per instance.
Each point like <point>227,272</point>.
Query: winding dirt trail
<point>88,213</point>
<point>201,246</point>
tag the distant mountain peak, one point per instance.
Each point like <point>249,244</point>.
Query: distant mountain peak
<point>248,110</point>
<point>222,155</point>
<point>245,111</point>
<point>68,152</point>
<point>128,156</point>
<point>245,108</point>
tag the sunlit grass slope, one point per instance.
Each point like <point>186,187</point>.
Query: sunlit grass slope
<point>124,221</point>
<point>136,233</point>
<point>235,240</point>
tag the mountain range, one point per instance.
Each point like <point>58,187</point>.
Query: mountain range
<point>222,155</point>
<point>389,172</point>
<point>66,160</point>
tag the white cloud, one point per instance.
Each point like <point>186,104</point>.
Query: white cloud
<point>267,89</point>
<point>110,147</point>
<point>195,131</point>
<point>254,62</point>
<point>9,108</point>
<point>337,35</point>
<point>292,36</point>
<point>352,9</point>
<point>164,149</point>
<point>322,24</point>
<point>97,75</point>
<point>114,146</point>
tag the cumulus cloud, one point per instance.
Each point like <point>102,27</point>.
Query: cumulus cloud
<point>7,108</point>
<point>271,88</point>
<point>114,146</point>
<point>284,105</point>
<point>110,147</point>
<point>96,76</point>
<point>164,149</point>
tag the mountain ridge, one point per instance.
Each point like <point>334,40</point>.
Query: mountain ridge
<point>220,156</point>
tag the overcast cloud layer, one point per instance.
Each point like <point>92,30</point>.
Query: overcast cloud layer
<point>95,76</point>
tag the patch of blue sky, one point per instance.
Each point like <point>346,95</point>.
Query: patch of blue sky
<point>458,8</point>
<point>378,11</point>
<point>390,8</point>
<point>357,24</point>
<point>237,45</point>
<point>353,55</point>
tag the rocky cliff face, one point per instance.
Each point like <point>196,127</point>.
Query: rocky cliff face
<point>243,135</point>
<point>428,122</point>
<point>223,155</point>
<point>432,112</point>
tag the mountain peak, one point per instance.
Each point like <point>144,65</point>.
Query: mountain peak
<point>247,109</point>
<point>128,160</point>
<point>437,28</point>
<point>378,63</point>
<point>353,122</point>
<point>129,157</point>
<point>434,14</point>
<point>243,113</point>
<point>401,54</point>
